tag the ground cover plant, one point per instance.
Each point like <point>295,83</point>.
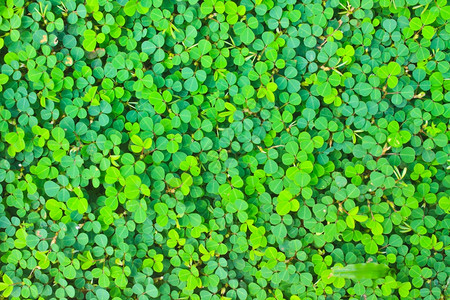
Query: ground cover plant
<point>253,149</point>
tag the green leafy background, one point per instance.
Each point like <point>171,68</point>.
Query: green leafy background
<point>224,149</point>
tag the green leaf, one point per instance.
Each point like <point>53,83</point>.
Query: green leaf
<point>89,41</point>
<point>130,8</point>
<point>408,155</point>
<point>247,36</point>
<point>191,84</point>
<point>389,25</point>
<point>132,187</point>
<point>51,188</point>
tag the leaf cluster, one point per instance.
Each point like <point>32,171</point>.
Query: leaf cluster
<point>224,149</point>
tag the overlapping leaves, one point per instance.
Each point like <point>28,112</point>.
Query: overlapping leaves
<point>224,150</point>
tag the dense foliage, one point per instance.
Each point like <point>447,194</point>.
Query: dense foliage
<point>252,149</point>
